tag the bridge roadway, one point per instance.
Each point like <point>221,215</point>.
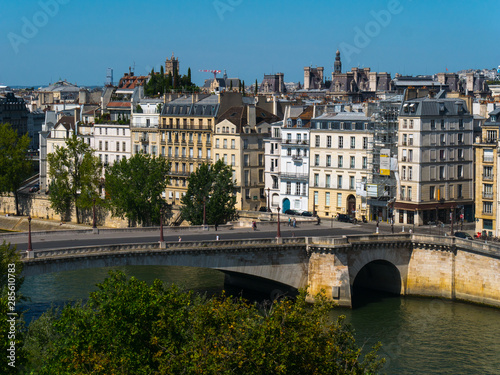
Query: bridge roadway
<point>64,239</point>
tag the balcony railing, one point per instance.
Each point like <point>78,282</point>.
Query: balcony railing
<point>488,177</point>
<point>487,195</point>
<point>294,176</point>
<point>487,159</point>
<point>487,213</point>
<point>297,158</point>
<point>295,141</point>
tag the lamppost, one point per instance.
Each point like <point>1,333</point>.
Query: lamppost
<point>94,223</point>
<point>30,248</point>
<point>162,241</point>
<point>204,214</point>
<point>268,199</point>
<point>452,213</point>
<point>278,233</point>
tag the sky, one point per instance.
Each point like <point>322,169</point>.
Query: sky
<point>42,41</point>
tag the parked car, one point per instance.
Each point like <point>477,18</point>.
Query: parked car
<point>34,188</point>
<point>346,218</point>
<point>463,235</point>
<point>291,212</point>
<point>306,213</point>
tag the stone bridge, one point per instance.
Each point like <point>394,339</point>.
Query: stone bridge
<point>405,264</point>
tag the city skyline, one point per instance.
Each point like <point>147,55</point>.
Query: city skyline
<point>48,40</point>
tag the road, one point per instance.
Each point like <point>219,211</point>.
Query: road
<point>60,240</point>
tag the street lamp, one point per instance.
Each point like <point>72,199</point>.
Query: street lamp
<point>30,248</point>
<point>278,233</point>
<point>162,241</point>
<point>452,213</point>
<point>94,223</point>
<point>268,199</point>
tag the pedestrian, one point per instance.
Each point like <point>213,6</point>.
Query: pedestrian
<point>217,238</point>
<point>180,239</point>
<point>289,221</point>
<point>294,222</point>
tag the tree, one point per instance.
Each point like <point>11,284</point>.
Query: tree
<point>189,75</point>
<point>14,164</point>
<point>243,87</point>
<point>134,188</point>
<point>213,186</point>
<point>11,325</point>
<point>130,327</point>
<point>239,85</point>
<point>231,85</point>
<point>256,87</point>
<point>75,174</point>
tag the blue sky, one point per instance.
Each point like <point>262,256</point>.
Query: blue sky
<point>77,40</point>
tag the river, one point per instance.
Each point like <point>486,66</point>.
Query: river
<point>419,335</point>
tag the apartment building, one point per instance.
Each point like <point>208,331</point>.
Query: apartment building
<point>340,144</point>
<point>112,142</point>
<point>272,153</point>
<point>239,141</point>
<point>486,176</point>
<point>294,160</point>
<point>435,161</point>
<point>186,131</point>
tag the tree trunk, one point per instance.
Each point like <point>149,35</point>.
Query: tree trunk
<point>16,201</point>
<point>77,214</point>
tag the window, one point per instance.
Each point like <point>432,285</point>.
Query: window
<point>339,182</point>
<point>341,142</point>
<point>100,145</point>
<point>487,173</point>
<point>442,124</point>
<point>233,160</point>
<point>443,138</point>
<point>411,124</point>
<point>124,147</point>
<point>327,199</point>
<point>297,188</point>
<point>328,160</point>
<point>288,187</point>
<point>153,150</point>
<point>487,207</point>
<point>299,138</point>
<point>410,155</point>
<point>329,141</point>
<point>403,189</point>
<point>191,152</point>
<point>233,144</point>
<point>352,186</point>
<point>261,160</point>
<point>403,173</point>
<point>224,143</point>
<point>405,124</point>
<point>341,161</point>
<point>488,155</point>
<point>460,171</point>
<point>409,193</point>
<point>339,199</point>
<point>316,180</point>
<point>353,142</point>
<point>217,157</point>
<point>441,172</point>
<point>317,138</point>
<point>217,143</point>
<point>246,177</point>
<point>316,198</point>
<point>162,150</point>
<point>405,139</point>
<point>460,123</point>
<point>441,155</point>
<point>247,193</point>
<point>184,152</point>
<point>327,183</point>
<point>410,140</point>
<point>117,146</point>
<point>261,175</point>
<point>432,192</point>
<point>199,153</point>
<point>365,162</point>
<point>353,162</point>
<point>433,124</point>
<point>245,144</point>
<point>460,138</point>
<point>365,143</point>
<point>459,191</point>
<point>289,152</point>
<point>246,160</point>
<point>316,160</point>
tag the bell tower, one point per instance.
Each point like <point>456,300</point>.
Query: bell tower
<point>338,64</point>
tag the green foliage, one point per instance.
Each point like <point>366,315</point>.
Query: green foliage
<point>9,299</point>
<point>134,188</point>
<point>160,83</point>
<point>256,87</point>
<point>14,165</point>
<point>212,184</point>
<point>76,174</point>
<point>129,327</point>
<point>493,82</point>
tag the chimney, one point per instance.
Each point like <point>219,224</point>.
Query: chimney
<point>251,115</point>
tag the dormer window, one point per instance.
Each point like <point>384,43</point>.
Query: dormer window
<point>441,107</point>
<point>299,123</point>
<point>289,123</point>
